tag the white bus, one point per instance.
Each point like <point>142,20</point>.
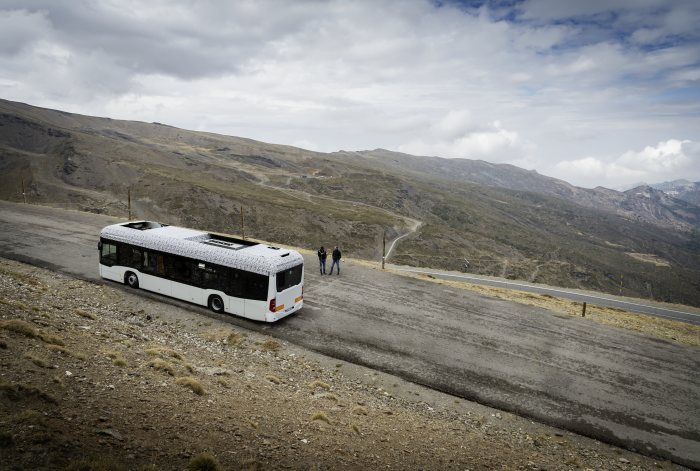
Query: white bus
<point>240,277</point>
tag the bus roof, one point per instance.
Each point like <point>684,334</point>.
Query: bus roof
<point>227,251</point>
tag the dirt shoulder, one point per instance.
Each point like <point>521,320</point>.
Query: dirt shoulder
<point>97,374</point>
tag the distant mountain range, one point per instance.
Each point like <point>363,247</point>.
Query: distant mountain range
<point>681,189</point>
<point>505,220</point>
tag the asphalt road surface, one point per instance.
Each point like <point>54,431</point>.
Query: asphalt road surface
<point>611,384</point>
<point>598,300</point>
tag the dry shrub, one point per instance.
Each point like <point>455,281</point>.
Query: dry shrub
<point>317,384</point>
<point>3,345</point>
<point>85,314</point>
<point>320,416</point>
<point>223,383</point>
<point>359,410</point>
<point>356,429</point>
<point>330,397</point>
<point>116,357</point>
<point>40,362</point>
<point>190,368</point>
<point>18,392</point>
<point>163,352</point>
<point>270,345</point>
<point>21,327</point>
<point>191,383</point>
<point>235,339</point>
<point>65,351</point>
<point>203,462</point>
<point>273,379</point>
<point>162,365</point>
<point>95,464</point>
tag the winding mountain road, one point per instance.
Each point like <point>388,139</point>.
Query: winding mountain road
<point>607,383</point>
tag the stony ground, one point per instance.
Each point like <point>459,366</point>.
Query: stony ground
<point>97,377</point>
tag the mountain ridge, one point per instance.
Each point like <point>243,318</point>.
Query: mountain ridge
<point>559,234</point>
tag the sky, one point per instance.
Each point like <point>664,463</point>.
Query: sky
<point>596,92</point>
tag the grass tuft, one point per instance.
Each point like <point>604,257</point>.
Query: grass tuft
<point>356,429</point>
<point>191,383</point>
<point>18,392</point>
<point>320,416</point>
<point>85,314</point>
<point>273,379</point>
<point>95,464</point>
<point>270,345</point>
<point>65,351</point>
<point>40,362</point>
<point>234,339</point>
<point>21,327</point>
<point>359,410</point>
<point>203,462</point>
<point>163,352</point>
<point>162,365</point>
<point>318,384</point>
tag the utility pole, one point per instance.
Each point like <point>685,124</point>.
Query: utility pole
<point>242,225</point>
<point>620,284</point>
<point>24,195</point>
<point>383,249</point>
<point>128,201</point>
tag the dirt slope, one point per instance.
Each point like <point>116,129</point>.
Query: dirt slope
<point>93,375</point>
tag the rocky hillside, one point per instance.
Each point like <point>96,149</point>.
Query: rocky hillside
<point>506,221</point>
<point>681,189</point>
<point>97,378</point>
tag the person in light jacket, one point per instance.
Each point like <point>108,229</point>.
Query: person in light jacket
<point>336,259</point>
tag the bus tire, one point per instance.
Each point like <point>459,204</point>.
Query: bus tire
<point>216,304</point>
<point>131,279</point>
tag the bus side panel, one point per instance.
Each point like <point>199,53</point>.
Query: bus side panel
<point>256,310</point>
<point>187,293</point>
<point>114,273</point>
<point>154,283</point>
<point>235,305</point>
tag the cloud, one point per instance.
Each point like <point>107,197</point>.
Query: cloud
<point>668,160</point>
<point>529,83</point>
<point>458,134</point>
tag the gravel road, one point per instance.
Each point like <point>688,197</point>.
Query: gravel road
<point>610,384</point>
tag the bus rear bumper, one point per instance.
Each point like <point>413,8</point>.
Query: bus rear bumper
<point>275,316</point>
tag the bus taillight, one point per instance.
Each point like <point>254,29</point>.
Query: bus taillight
<point>273,304</point>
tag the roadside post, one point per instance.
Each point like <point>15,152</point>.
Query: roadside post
<point>383,249</point>
<point>583,314</point>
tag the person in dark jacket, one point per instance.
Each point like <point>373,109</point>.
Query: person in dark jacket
<point>322,255</point>
<point>336,259</point>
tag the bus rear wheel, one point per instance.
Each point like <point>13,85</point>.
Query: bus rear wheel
<point>131,279</point>
<point>216,304</point>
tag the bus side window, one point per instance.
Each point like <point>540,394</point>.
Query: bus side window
<point>256,287</point>
<point>148,262</point>
<point>108,255</point>
<point>236,283</point>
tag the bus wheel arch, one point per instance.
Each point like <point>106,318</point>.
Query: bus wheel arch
<point>131,279</point>
<point>215,303</point>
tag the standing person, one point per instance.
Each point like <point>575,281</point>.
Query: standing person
<point>322,255</point>
<point>336,259</point>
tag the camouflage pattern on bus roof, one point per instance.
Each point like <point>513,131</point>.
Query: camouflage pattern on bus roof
<point>189,243</point>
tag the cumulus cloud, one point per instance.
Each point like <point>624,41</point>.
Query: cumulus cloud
<point>542,80</point>
<point>458,134</point>
<point>668,160</point>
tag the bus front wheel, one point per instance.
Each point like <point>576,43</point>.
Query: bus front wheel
<point>131,279</point>
<point>216,304</point>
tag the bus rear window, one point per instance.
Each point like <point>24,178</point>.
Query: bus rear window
<point>288,278</point>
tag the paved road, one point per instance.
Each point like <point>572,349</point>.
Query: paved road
<point>600,300</point>
<point>603,382</point>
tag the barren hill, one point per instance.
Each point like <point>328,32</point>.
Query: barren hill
<point>506,221</point>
